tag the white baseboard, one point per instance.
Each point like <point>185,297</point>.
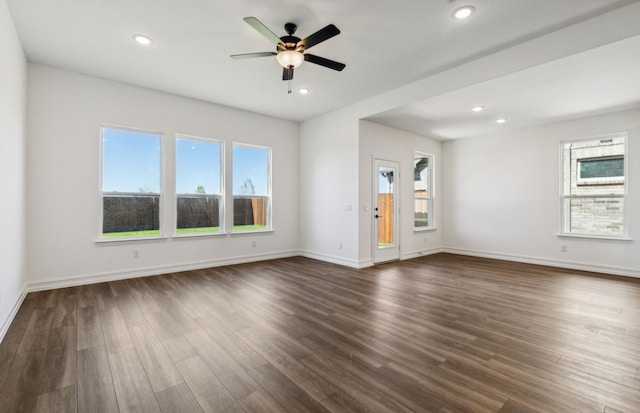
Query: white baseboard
<point>365,263</point>
<point>149,271</point>
<point>335,259</point>
<point>8,318</point>
<point>368,262</point>
<point>572,265</point>
<point>421,253</point>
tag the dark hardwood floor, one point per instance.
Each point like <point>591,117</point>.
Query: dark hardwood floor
<point>442,333</point>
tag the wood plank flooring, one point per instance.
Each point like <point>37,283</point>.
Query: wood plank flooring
<point>443,333</point>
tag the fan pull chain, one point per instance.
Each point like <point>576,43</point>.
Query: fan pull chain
<point>289,83</point>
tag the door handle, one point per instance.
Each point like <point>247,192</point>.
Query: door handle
<point>378,216</point>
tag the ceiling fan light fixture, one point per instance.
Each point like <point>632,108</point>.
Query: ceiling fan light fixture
<point>290,58</point>
<point>463,12</point>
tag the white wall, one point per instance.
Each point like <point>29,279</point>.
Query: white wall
<point>502,200</point>
<point>382,142</point>
<point>65,111</point>
<point>13,76</point>
<point>329,182</point>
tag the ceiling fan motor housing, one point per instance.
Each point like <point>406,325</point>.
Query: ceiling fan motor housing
<point>290,42</point>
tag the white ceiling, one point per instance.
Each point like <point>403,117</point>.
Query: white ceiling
<point>385,45</point>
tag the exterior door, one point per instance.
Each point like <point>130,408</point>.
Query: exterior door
<point>386,215</point>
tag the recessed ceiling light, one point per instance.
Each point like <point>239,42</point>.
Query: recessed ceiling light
<point>304,91</point>
<point>142,39</point>
<point>463,12</point>
<point>477,108</point>
<point>501,120</point>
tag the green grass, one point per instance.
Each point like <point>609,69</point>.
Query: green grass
<point>132,233</point>
<point>248,227</point>
<point>183,231</point>
<point>197,230</point>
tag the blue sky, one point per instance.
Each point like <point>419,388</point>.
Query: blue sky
<point>383,181</point>
<point>197,163</point>
<point>131,163</point>
<point>250,163</point>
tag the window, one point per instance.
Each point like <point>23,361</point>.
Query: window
<point>423,191</point>
<point>130,183</point>
<point>601,171</point>
<point>198,186</point>
<point>593,186</point>
<point>251,188</point>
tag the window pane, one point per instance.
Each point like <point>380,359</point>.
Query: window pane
<point>198,214</point>
<point>198,193</point>
<point>250,171</point>
<point>250,213</point>
<point>130,161</point>
<point>421,207</point>
<point>130,183</point>
<point>422,190</point>
<point>130,215</point>
<point>597,216</point>
<point>197,167</point>
<point>601,168</point>
<point>421,178</point>
<point>251,192</point>
<point>386,208</point>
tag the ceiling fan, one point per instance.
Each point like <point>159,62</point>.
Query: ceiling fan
<point>290,50</point>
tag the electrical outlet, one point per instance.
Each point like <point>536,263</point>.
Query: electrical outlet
<point>340,245</point>
<point>136,254</point>
<point>564,248</point>
<point>253,244</point>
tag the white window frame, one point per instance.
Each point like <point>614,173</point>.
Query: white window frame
<point>269,226</point>
<point>221,196</point>
<point>430,198</point>
<point>161,194</point>
<point>618,180</point>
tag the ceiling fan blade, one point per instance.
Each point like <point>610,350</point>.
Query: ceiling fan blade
<point>331,64</point>
<point>264,30</point>
<point>252,55</point>
<point>287,73</point>
<point>320,36</point>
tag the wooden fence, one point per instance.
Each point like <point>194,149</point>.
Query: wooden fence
<point>385,222</point>
<point>249,210</point>
<point>259,206</point>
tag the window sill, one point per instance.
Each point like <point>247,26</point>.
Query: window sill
<point>594,236</point>
<point>429,229</point>
<point>200,234</point>
<point>125,239</point>
<point>256,231</point>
